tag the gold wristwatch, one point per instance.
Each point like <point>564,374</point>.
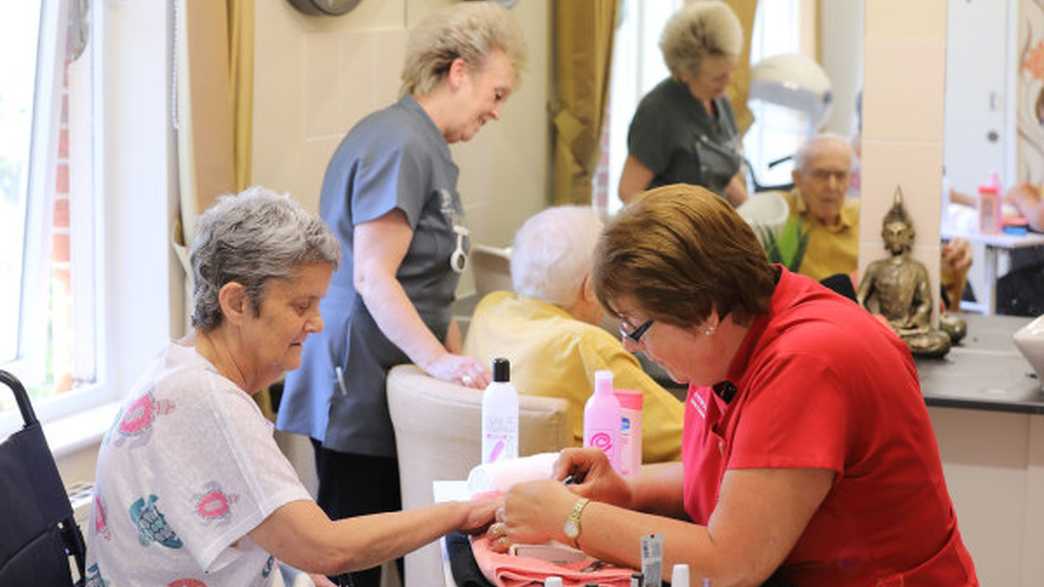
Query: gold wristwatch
<point>572,523</point>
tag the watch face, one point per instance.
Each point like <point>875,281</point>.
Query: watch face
<point>571,529</point>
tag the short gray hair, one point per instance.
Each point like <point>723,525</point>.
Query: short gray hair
<point>816,144</point>
<point>698,30</point>
<point>469,31</point>
<point>553,252</point>
<point>250,238</point>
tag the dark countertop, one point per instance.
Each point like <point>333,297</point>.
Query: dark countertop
<point>986,372</point>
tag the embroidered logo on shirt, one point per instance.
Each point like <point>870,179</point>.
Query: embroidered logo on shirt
<point>94,577</point>
<point>267,570</point>
<point>139,417</point>
<point>101,526</point>
<point>212,505</point>
<point>187,583</point>
<point>152,525</point>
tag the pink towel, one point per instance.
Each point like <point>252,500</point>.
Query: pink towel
<point>505,570</point>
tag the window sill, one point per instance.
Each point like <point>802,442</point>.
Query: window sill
<point>67,435</point>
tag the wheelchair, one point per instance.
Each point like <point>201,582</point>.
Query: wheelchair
<point>38,533</point>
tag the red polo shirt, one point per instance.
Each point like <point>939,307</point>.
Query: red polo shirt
<point>819,383</point>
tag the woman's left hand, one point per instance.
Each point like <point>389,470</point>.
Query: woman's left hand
<point>533,513</point>
<point>321,580</point>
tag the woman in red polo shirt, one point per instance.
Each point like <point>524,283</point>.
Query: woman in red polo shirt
<point>807,449</point>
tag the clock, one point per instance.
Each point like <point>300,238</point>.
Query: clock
<point>324,7</point>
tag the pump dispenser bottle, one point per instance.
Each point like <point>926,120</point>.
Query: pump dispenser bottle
<point>602,419</point>
<point>500,415</point>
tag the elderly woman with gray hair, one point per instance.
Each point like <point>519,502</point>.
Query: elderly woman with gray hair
<point>549,328</point>
<point>684,130</point>
<point>191,488</point>
<point>390,194</point>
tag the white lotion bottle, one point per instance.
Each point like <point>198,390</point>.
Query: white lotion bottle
<point>500,416</point>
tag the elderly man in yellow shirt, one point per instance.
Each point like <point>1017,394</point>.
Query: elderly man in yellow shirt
<point>549,329</point>
<point>822,173</point>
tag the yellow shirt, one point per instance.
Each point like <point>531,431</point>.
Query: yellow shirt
<point>831,249</point>
<point>552,354</point>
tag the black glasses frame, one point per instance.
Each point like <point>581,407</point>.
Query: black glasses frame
<point>637,334</point>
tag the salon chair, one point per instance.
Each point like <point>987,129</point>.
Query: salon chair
<point>438,429</point>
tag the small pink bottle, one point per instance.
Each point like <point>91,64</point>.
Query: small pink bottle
<point>990,219</point>
<point>602,419</point>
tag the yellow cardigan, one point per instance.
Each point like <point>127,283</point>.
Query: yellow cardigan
<point>554,355</point>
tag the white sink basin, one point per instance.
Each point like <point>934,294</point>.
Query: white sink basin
<point>1030,342</point>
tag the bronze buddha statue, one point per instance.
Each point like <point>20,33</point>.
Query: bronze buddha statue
<point>899,288</point>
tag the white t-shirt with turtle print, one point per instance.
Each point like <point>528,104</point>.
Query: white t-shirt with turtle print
<point>187,470</point>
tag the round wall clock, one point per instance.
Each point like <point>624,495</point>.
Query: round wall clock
<point>324,7</point>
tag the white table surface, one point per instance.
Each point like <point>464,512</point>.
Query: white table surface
<point>993,245</point>
<point>448,491</point>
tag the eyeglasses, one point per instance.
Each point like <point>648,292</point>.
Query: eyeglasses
<point>636,334</point>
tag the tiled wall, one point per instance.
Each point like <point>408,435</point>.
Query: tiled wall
<point>904,65</point>
<point>316,77</point>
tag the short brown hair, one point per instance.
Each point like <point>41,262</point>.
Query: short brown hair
<point>681,251</point>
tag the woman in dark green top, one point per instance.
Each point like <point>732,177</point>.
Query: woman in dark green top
<point>684,130</point>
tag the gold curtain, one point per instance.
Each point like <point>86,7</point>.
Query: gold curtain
<point>740,88</point>
<point>583,37</point>
<point>215,73</point>
<point>241,77</point>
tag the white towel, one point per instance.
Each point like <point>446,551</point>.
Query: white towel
<point>502,475</point>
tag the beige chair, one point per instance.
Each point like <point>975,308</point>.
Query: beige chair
<point>437,435</point>
<point>492,268</point>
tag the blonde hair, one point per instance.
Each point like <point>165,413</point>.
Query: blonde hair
<point>698,30</point>
<point>468,31</point>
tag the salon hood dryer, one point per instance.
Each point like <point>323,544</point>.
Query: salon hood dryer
<point>796,82</point>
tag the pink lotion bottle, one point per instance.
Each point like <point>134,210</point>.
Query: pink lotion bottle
<point>602,419</point>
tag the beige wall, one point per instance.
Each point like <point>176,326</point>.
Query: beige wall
<point>904,71</point>
<point>316,77</point>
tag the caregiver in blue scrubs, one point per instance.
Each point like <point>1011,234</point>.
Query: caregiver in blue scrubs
<point>390,195</point>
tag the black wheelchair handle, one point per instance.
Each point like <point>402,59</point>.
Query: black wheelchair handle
<point>20,396</point>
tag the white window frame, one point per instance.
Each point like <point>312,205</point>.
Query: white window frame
<point>133,182</point>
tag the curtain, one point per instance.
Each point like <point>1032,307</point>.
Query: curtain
<point>241,76</point>
<point>214,81</point>
<point>583,37</point>
<point>746,10</point>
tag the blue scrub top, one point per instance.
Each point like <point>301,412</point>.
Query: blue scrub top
<point>395,158</point>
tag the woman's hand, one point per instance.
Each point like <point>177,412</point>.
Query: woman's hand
<point>736,190</point>
<point>957,255</point>
<point>593,476</point>
<point>478,514</point>
<point>461,369</point>
<point>321,580</point>
<point>533,513</point>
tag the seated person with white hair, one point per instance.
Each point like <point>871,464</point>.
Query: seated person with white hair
<point>549,328</point>
<point>822,173</point>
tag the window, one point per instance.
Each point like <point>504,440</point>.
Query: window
<point>47,325</point>
<point>777,131</point>
<point>636,68</point>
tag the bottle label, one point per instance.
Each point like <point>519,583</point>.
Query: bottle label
<point>605,441</point>
<point>499,439</point>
